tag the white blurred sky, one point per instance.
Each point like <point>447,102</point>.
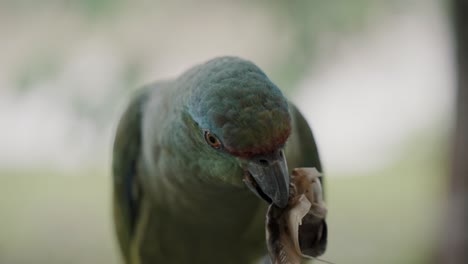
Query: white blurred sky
<point>364,97</point>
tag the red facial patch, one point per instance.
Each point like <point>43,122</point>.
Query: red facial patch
<point>272,146</point>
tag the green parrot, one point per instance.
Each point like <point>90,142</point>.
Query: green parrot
<point>182,151</point>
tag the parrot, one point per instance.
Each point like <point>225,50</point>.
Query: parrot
<point>182,152</point>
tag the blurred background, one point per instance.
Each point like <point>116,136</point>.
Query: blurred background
<point>375,79</point>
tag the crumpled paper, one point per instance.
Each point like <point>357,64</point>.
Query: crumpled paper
<point>299,230</point>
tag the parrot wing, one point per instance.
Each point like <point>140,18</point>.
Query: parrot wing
<point>127,192</point>
<point>301,148</point>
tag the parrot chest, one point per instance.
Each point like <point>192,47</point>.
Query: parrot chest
<point>223,231</point>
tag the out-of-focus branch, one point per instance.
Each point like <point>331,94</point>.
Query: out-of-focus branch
<point>454,248</point>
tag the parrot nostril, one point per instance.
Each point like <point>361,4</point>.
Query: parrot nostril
<point>263,162</point>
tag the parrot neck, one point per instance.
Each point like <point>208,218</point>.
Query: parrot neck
<point>198,204</point>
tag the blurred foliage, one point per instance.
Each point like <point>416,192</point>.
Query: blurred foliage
<point>54,217</point>
<point>90,8</point>
<point>43,66</point>
<point>307,20</point>
<point>392,215</point>
<point>310,19</point>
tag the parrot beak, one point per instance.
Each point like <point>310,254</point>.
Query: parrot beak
<point>268,177</point>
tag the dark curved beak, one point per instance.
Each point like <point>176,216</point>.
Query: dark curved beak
<point>271,175</point>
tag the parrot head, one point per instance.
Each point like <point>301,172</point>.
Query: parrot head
<point>241,116</point>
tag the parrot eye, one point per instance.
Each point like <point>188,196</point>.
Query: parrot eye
<point>212,140</point>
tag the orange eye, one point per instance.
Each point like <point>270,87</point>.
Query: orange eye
<point>212,140</point>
